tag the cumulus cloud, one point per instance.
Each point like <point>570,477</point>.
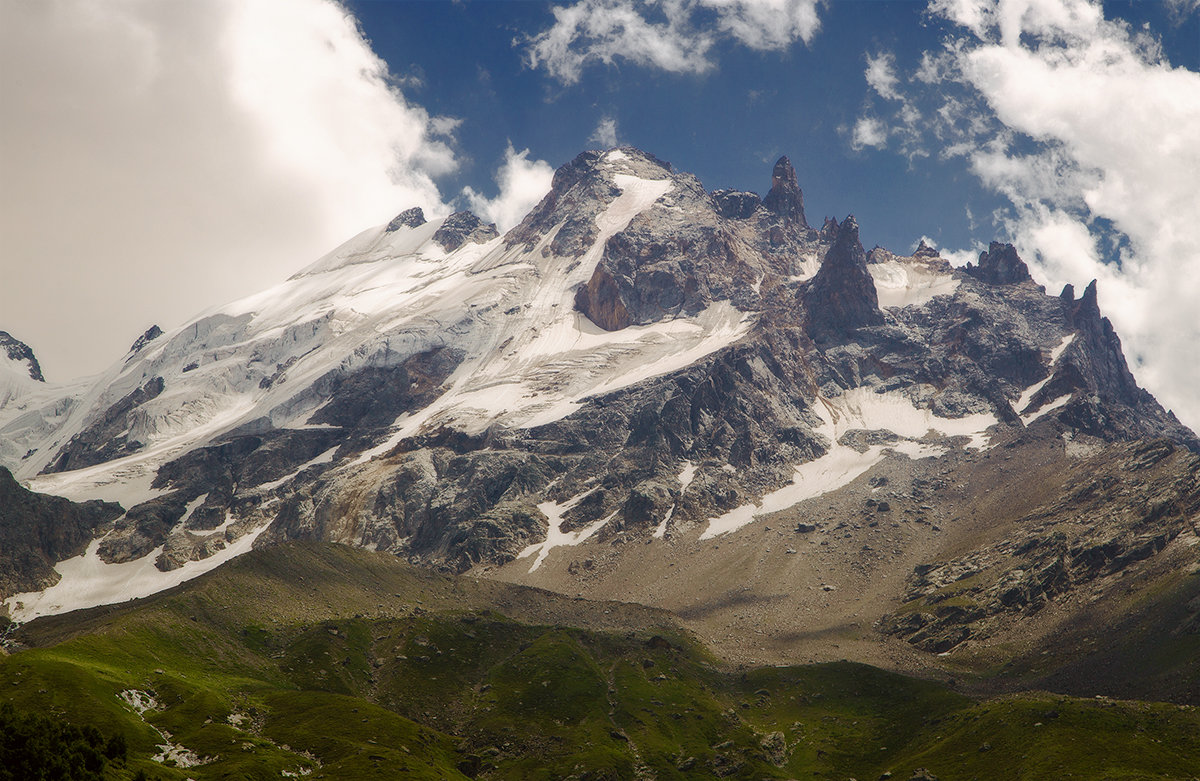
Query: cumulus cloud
<point>881,74</point>
<point>605,134</point>
<point>671,35</point>
<point>161,157</point>
<point>869,132</point>
<point>1091,136</point>
<point>522,182</point>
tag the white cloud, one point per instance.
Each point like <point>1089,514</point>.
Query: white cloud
<point>869,132</point>
<point>670,35</point>
<point>881,75</point>
<point>1081,125</point>
<point>161,157</point>
<point>523,182</point>
<point>605,134</point>
<point>767,24</point>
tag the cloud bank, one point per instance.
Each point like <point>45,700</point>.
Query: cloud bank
<point>162,157</point>
<point>671,35</point>
<point>1090,135</point>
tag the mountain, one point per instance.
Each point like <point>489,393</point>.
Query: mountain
<point>652,393</point>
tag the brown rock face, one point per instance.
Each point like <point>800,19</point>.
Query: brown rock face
<point>785,198</point>
<point>842,297</point>
<point>1000,265</point>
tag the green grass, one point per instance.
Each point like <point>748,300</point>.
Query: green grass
<point>348,676</point>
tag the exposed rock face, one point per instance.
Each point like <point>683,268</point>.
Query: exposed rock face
<point>785,198</point>
<point>842,298</point>
<point>736,204</point>
<point>1126,510</point>
<point>152,333</point>
<point>925,251</point>
<point>409,218</point>
<point>109,436</point>
<point>1000,265</point>
<point>565,201</point>
<point>18,351</point>
<point>36,531</point>
<point>1107,397</point>
<point>461,227</point>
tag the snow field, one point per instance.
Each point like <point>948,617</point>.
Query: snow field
<point>858,408</point>
<point>909,284</point>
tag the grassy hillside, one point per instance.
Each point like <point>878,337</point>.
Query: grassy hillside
<point>327,662</point>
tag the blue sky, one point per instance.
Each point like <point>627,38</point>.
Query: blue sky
<point>162,158</point>
<point>727,125</point>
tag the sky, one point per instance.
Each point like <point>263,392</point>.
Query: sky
<point>158,157</point>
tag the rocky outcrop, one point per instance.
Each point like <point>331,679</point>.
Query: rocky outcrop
<point>461,227</point>
<point>574,200</point>
<point>152,333</point>
<point>37,530</point>
<point>841,298</point>
<point>110,435</point>
<point>409,218</point>
<point>1000,265</point>
<point>1112,518</point>
<point>17,351</point>
<point>736,204</point>
<point>923,250</point>
<point>1106,400</point>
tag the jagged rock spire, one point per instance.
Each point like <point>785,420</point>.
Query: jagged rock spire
<point>925,251</point>
<point>1000,265</point>
<point>842,296</point>
<point>785,198</point>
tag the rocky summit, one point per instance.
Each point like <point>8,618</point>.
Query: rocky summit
<point>648,392</point>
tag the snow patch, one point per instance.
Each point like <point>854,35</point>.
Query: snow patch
<point>838,467</point>
<point>909,284</point>
<point>864,408</point>
<point>858,408</point>
<point>88,581</point>
<point>1061,401</point>
<point>686,474</point>
<point>555,537</point>
<point>323,458</point>
<point>1022,405</point>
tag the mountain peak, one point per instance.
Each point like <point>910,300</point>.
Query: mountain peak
<point>461,227</point>
<point>923,250</point>
<point>18,352</point>
<point>1000,265</point>
<point>785,198</point>
<point>842,296</point>
<point>409,218</point>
